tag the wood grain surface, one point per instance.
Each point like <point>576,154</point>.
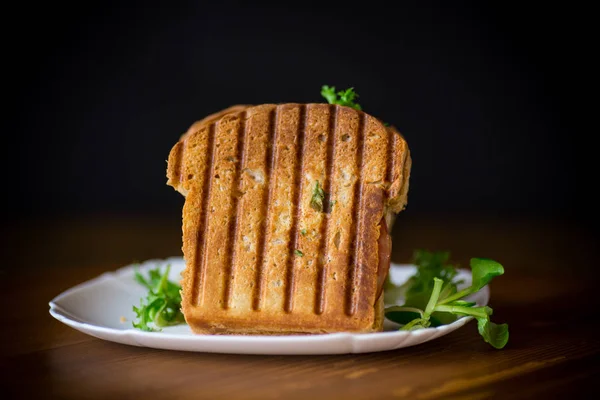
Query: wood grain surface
<point>548,295</point>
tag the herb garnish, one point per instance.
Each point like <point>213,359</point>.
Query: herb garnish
<point>303,232</point>
<point>316,201</point>
<point>298,253</point>
<point>162,305</point>
<point>418,288</point>
<point>432,298</point>
<point>343,98</point>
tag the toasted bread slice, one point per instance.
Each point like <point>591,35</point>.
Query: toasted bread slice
<point>260,257</point>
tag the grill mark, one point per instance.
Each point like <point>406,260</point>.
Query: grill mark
<point>270,155</point>
<point>391,167</point>
<point>200,259</point>
<point>324,228</point>
<point>234,223</point>
<point>404,170</point>
<point>290,276</point>
<point>355,247</point>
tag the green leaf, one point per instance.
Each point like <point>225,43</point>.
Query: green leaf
<point>162,283</point>
<point>496,335</point>
<point>154,276</point>
<point>329,93</point>
<point>167,316</point>
<point>298,253</point>
<point>316,201</point>
<point>430,265</point>
<point>303,232</point>
<point>142,316</point>
<point>343,98</point>
<point>140,279</point>
<point>433,288</point>
<point>348,97</point>
<point>448,289</point>
<point>162,305</point>
<point>483,271</point>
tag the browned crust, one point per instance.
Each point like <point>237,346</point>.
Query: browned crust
<point>248,174</point>
<point>213,117</point>
<point>400,173</point>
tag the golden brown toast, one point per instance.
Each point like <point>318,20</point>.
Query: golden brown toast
<point>259,257</point>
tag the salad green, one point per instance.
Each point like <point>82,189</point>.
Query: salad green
<point>162,306</point>
<point>343,98</point>
<point>432,297</point>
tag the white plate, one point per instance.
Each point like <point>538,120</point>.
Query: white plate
<point>96,307</point>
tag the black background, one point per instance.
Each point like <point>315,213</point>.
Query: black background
<point>102,92</point>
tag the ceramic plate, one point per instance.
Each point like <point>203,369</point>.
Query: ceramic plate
<point>102,307</point>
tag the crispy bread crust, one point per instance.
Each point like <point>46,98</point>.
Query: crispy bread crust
<point>213,117</point>
<point>259,258</point>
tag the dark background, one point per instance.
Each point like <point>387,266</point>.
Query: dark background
<point>102,93</point>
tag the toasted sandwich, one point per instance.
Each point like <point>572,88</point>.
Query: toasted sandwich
<point>286,218</point>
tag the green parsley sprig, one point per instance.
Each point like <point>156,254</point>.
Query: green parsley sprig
<point>435,281</point>
<point>343,98</point>
<point>162,305</point>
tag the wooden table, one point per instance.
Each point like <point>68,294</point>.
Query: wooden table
<point>549,297</point>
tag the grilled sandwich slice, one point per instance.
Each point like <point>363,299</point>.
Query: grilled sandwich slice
<point>285,218</point>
